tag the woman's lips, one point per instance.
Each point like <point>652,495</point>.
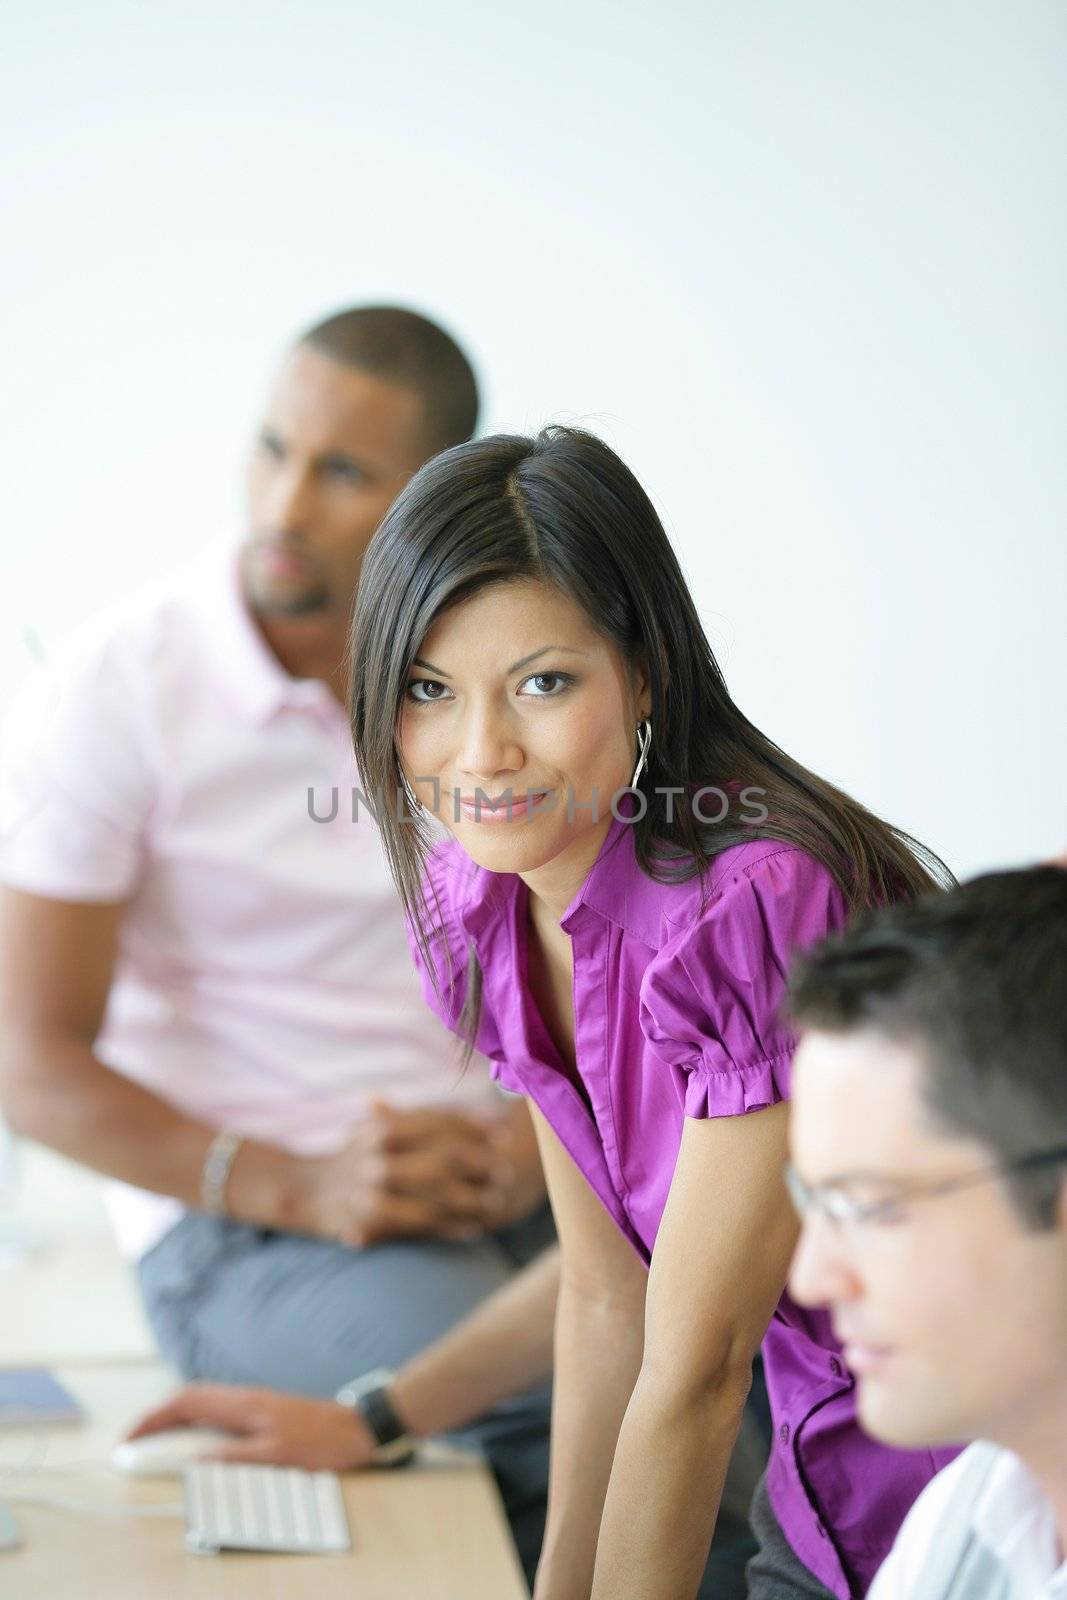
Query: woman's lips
<point>507,808</point>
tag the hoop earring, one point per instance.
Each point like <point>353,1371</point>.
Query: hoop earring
<point>644,745</point>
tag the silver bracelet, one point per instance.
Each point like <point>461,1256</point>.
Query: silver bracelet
<point>215,1173</point>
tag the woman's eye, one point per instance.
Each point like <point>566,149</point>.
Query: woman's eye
<point>427,690</point>
<point>546,684</point>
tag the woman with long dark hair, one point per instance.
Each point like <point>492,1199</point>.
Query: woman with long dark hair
<point>631,866</point>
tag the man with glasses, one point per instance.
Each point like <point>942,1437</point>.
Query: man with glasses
<point>929,1150</point>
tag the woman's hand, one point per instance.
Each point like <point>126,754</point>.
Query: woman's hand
<point>285,1429</point>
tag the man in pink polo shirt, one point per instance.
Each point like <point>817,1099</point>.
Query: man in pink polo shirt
<point>209,993</point>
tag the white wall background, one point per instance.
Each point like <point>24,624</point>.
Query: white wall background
<point>801,261</point>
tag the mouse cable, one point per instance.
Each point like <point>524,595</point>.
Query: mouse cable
<point>89,1508</point>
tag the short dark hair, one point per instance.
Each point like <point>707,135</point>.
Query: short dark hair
<point>976,978</point>
<point>409,349</point>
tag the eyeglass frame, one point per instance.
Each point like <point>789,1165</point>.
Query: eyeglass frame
<point>832,1202</point>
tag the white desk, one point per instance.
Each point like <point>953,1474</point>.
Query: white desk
<point>435,1531</point>
<point>431,1532</point>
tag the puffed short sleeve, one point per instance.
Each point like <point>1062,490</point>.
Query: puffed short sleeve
<point>78,782</point>
<point>443,965</point>
<point>711,1000</point>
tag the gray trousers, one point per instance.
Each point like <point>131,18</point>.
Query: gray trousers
<point>775,1572</point>
<point>234,1304</point>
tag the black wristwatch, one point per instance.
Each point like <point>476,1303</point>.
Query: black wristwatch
<point>369,1395</point>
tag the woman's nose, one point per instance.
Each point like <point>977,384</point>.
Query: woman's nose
<point>489,749</point>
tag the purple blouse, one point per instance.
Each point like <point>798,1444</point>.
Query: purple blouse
<point>676,1014</point>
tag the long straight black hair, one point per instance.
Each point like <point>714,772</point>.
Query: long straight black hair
<point>563,509</point>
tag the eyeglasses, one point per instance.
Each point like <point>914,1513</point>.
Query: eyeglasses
<point>834,1203</point>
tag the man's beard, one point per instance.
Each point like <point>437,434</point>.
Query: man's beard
<point>280,599</point>
<point>294,605</point>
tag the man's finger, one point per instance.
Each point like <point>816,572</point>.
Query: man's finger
<point>211,1403</point>
<point>404,1130</point>
<point>456,1201</point>
<point>390,1216</point>
<point>256,1447</point>
<point>425,1174</point>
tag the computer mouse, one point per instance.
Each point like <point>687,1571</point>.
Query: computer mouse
<point>166,1454</point>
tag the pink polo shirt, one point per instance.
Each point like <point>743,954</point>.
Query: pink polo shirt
<point>263,980</point>
<point>676,1011</point>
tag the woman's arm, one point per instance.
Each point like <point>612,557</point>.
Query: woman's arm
<point>718,1270</point>
<point>599,1336</point>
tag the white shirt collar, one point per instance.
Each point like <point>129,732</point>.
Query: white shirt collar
<point>1015,1519</point>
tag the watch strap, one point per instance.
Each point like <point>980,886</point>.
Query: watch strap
<point>370,1396</point>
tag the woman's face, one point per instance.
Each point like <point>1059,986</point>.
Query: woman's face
<point>514,694</point>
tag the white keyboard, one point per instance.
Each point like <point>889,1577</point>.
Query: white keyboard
<point>231,1505</point>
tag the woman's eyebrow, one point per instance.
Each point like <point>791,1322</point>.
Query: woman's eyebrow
<point>516,666</point>
<point>565,649</point>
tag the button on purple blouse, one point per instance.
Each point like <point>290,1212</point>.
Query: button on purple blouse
<point>676,1011</point>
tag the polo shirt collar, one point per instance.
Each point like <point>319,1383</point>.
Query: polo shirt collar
<point>248,671</point>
